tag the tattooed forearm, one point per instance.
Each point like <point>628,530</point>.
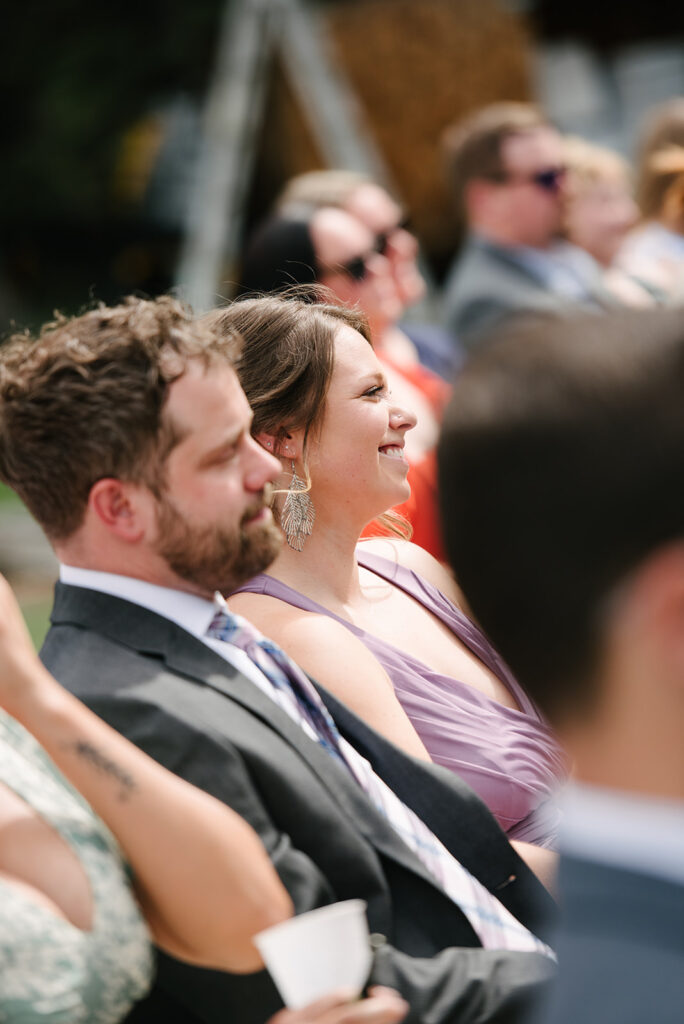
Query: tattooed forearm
<point>106,767</point>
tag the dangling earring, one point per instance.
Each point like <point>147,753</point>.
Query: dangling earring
<point>297,517</point>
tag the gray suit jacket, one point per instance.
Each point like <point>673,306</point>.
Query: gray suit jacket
<point>487,285</point>
<point>620,948</point>
<point>187,707</point>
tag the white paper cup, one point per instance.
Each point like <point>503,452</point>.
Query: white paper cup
<point>314,953</point>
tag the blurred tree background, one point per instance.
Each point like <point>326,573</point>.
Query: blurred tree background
<point>76,78</point>
<point>101,122</point>
<point>101,108</point>
<point>102,111</point>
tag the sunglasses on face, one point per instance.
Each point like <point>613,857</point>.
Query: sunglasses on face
<point>549,179</point>
<point>357,267</point>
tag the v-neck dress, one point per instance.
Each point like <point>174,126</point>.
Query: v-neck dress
<point>509,756</point>
<point>51,971</point>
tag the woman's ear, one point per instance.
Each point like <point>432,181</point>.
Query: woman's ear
<point>268,441</point>
<point>284,445</point>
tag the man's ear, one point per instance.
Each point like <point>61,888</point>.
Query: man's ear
<point>475,194</point>
<point>658,607</point>
<point>122,507</point>
<point>285,445</point>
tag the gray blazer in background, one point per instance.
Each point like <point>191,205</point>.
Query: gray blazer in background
<point>487,285</point>
<point>192,711</point>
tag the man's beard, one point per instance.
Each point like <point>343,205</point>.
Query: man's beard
<point>215,558</point>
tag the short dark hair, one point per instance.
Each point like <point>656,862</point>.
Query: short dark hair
<point>85,400</point>
<point>561,467</point>
<point>473,145</point>
<point>280,254</point>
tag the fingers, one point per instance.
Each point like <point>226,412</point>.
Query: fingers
<point>383,1006</point>
<point>386,1002</point>
<point>314,1012</point>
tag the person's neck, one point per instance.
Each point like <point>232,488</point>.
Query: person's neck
<point>325,569</point>
<point>633,751</point>
<point>133,564</point>
<point>397,346</point>
<point>502,235</point>
<point>379,325</point>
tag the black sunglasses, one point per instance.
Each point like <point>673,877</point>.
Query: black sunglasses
<point>550,179</point>
<point>357,267</point>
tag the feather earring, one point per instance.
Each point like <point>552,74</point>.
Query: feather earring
<point>297,517</point>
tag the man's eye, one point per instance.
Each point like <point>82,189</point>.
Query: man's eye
<point>226,456</point>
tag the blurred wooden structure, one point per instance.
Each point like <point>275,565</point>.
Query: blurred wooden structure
<point>251,34</point>
<point>416,67</point>
<point>366,85</point>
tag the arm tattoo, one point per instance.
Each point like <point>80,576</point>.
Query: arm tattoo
<point>105,766</point>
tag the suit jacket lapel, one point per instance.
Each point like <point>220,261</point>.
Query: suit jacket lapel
<point>422,787</point>
<point>472,834</point>
<point>144,631</point>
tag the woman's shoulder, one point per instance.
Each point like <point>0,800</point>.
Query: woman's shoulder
<point>415,559</point>
<point>264,610</point>
<point>286,623</point>
<point>310,637</point>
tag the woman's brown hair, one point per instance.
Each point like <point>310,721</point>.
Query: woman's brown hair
<point>287,357</point>
<point>286,363</point>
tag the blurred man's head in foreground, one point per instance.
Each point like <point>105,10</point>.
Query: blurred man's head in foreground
<point>562,488</point>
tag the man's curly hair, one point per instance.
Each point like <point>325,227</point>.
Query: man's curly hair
<point>85,400</point>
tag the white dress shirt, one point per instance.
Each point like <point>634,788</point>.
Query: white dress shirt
<point>627,830</point>
<point>188,611</point>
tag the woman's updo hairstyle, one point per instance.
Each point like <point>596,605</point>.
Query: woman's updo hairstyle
<point>286,364</point>
<point>287,357</point>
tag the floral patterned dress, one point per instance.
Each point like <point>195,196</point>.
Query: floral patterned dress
<point>50,970</point>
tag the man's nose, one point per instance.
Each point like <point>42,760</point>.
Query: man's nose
<point>378,265</point>
<point>263,467</point>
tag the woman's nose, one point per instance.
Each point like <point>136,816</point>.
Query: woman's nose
<point>402,419</point>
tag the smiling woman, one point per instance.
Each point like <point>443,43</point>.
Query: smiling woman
<point>378,622</point>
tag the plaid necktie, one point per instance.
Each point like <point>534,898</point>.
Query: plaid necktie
<point>492,922</point>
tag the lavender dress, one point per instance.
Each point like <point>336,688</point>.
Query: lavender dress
<point>508,756</point>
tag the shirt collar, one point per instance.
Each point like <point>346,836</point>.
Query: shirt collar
<point>189,611</point>
<point>624,829</point>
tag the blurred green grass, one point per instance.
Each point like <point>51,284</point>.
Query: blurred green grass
<point>35,608</point>
<point>37,616</point>
<point>8,497</point>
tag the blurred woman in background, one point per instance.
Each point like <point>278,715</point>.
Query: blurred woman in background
<point>600,211</point>
<point>654,251</point>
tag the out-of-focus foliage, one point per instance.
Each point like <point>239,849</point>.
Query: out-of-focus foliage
<point>73,77</point>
